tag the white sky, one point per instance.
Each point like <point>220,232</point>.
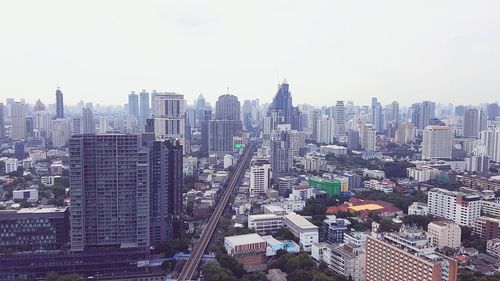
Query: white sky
<point>447,51</point>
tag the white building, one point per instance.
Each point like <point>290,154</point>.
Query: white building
<point>386,186</point>
<point>302,229</point>
<point>265,223</point>
<point>337,150</point>
<point>60,132</point>
<point>228,161</point>
<point>48,180</point>
<point>459,207</point>
<point>314,162</point>
<point>422,174</point>
<point>10,165</point>
<point>491,140</point>
<point>445,233</point>
<point>344,259</point>
<point>418,208</point>
<point>405,133</point>
<point>260,177</point>
<point>437,142</point>
<point>490,208</point>
<point>31,195</point>
<point>325,130</point>
<point>169,114</point>
<point>368,137</point>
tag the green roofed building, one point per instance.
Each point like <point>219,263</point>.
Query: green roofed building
<point>331,187</point>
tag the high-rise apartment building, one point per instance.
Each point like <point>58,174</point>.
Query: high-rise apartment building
<point>471,123</point>
<point>445,233</point>
<point>406,255</point>
<point>2,121</point>
<point>316,116</point>
<point>18,117</point>
<point>491,140</point>
<point>170,111</point>
<point>166,181</point>
<point>60,132</point>
<point>133,105</point>
<point>88,125</point>
<point>437,142</point>
<point>463,209</point>
<point>325,130</point>
<point>339,122</point>
<point>109,181</point>
<point>405,133</point>
<point>41,122</point>
<point>260,177</point>
<point>281,155</point>
<point>144,108</point>
<point>59,104</point>
<point>368,137</point>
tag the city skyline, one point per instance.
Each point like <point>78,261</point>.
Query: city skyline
<point>328,51</point>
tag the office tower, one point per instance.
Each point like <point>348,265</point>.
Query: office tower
<point>378,118</point>
<point>133,105</point>
<point>353,140</point>
<point>281,156</point>
<point>462,208</point>
<point>282,105</point>
<point>166,181</point>
<point>153,103</point>
<point>445,233</point>
<point>368,137</point>
<point>422,114</point>
<point>260,177</point>
<point>220,135</point>
<point>406,255</point>
<point>325,127</point>
<point>2,121</point>
<point>19,150</point>
<point>109,181</point>
<point>227,107</point>
<point>395,112</point>
<point>76,125</point>
<point>492,110</point>
<point>18,116</point>
<point>316,116</point>
<point>373,106</point>
<point>59,104</point>
<point>339,119</point>
<point>144,108</point>
<point>472,123</point>
<point>88,125</point>
<point>405,133</point>
<point>170,111</point>
<point>204,123</point>
<point>29,127</point>
<point>491,140</point>
<point>41,122</point>
<point>247,113</point>
<point>59,132</point>
<point>437,142</point>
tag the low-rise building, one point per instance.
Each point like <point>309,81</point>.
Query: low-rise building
<point>490,208</point>
<point>386,186</point>
<point>445,233</point>
<point>336,150</point>
<point>422,173</point>
<point>493,247</point>
<point>305,231</point>
<point>30,195</point>
<point>333,229</point>
<point>418,208</point>
<point>487,228</point>
<point>247,249</point>
<point>265,223</point>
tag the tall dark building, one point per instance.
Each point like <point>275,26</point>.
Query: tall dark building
<point>144,108</point>
<point>460,110</point>
<point>2,121</point>
<point>422,114</point>
<point>166,180</point>
<point>133,105</point>
<point>227,107</point>
<point>207,116</point>
<point>109,181</point>
<point>59,104</point>
<point>281,154</point>
<point>492,111</point>
<point>19,150</point>
<point>29,126</point>
<point>282,108</point>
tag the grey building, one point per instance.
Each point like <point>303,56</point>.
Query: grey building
<point>59,104</point>
<point>227,107</point>
<point>87,125</point>
<point>133,105</point>
<point>220,135</point>
<point>109,181</point>
<point>144,108</point>
<point>166,182</point>
<point>2,121</point>
<point>281,154</point>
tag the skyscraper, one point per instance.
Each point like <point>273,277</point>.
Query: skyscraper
<point>437,142</point>
<point>422,114</point>
<point>88,125</point>
<point>18,116</point>
<point>282,103</point>
<point>492,111</point>
<point>144,108</point>
<point>281,154</point>
<point>472,123</point>
<point>166,180</point>
<point>59,104</point>
<point>491,140</point>
<point>204,123</point>
<point>109,181</point>
<point>133,105</point>
<point>170,109</point>
<point>339,120</point>
<point>2,121</point>
<point>227,107</point>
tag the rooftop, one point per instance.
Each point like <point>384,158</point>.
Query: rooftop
<point>299,221</point>
<point>244,239</point>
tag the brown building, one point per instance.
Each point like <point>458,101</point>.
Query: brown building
<point>406,255</point>
<point>248,249</point>
<point>487,228</point>
<point>481,183</point>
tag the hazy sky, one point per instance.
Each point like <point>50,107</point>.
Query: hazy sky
<point>447,51</point>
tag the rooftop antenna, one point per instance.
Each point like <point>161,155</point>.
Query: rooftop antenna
<point>227,90</point>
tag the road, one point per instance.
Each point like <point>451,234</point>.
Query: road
<point>192,263</point>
